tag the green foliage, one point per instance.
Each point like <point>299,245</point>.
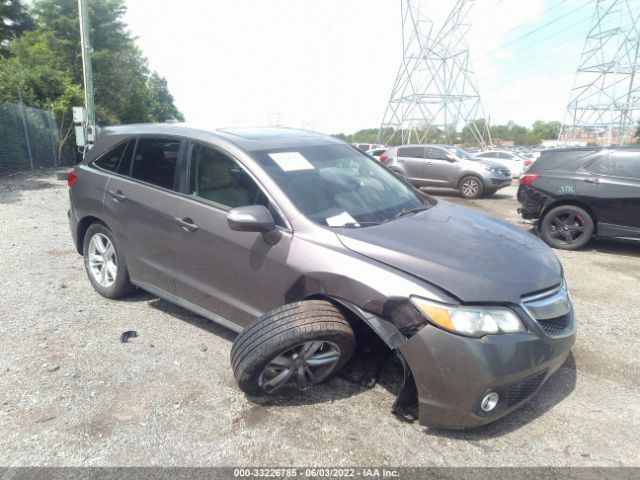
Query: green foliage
<point>44,67</point>
<point>510,132</point>
<point>14,20</point>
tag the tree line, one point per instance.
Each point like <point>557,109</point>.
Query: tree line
<point>511,132</point>
<point>41,64</point>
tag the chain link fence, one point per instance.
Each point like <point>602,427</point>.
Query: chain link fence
<point>29,140</point>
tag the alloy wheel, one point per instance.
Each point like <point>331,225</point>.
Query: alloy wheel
<point>303,366</point>
<point>470,187</point>
<point>103,263</point>
<point>566,227</point>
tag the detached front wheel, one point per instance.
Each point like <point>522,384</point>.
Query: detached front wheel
<point>297,345</point>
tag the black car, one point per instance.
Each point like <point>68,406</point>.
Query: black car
<point>580,193</point>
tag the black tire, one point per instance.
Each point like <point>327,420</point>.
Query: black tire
<point>567,227</point>
<point>471,187</point>
<point>121,284</point>
<point>490,191</point>
<point>279,333</point>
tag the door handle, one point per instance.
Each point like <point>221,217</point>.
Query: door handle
<point>117,195</point>
<point>592,180</point>
<point>429,163</point>
<point>186,224</point>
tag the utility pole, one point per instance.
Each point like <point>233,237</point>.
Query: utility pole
<point>87,73</point>
<point>606,93</point>
<point>435,93</point>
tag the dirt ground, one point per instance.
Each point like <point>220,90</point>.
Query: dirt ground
<point>72,394</point>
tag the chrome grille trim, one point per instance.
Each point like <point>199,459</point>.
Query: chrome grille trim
<point>551,310</point>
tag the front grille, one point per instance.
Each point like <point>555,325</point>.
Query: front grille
<point>555,326</point>
<point>551,310</point>
<point>523,389</point>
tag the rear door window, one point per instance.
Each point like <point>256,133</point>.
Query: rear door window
<point>155,161</point>
<point>109,161</point>
<point>411,152</point>
<point>436,153</point>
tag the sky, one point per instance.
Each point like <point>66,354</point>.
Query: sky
<point>329,65</point>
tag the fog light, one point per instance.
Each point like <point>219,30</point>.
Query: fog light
<point>489,401</point>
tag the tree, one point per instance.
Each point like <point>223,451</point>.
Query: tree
<point>44,67</point>
<point>14,20</point>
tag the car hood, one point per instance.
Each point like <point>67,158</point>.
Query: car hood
<point>475,257</point>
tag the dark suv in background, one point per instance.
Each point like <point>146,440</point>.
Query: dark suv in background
<point>576,194</point>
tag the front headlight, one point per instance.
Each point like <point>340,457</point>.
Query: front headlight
<point>491,169</point>
<point>470,321</point>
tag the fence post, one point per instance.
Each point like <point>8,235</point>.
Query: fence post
<point>52,136</point>
<point>26,133</point>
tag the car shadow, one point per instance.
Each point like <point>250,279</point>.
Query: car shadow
<point>454,195</point>
<point>558,387</point>
<point>628,248</point>
<point>181,314</point>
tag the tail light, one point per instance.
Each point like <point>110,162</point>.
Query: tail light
<point>528,178</point>
<point>527,163</point>
<point>383,157</point>
<point>72,177</point>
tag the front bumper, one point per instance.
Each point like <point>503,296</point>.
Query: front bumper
<point>499,182</point>
<point>452,373</point>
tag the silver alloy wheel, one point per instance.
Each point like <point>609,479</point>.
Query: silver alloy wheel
<point>305,365</point>
<point>103,263</point>
<point>470,187</point>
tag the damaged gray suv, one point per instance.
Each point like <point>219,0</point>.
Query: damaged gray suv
<point>301,244</point>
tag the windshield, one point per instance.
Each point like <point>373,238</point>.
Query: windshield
<point>336,186</point>
<point>460,153</point>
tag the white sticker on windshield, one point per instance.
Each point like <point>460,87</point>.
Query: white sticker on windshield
<point>291,161</point>
<point>340,220</point>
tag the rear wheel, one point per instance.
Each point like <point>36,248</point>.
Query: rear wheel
<point>471,187</point>
<point>567,227</point>
<point>104,262</point>
<point>299,344</point>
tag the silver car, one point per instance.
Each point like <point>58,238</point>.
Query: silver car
<point>449,167</point>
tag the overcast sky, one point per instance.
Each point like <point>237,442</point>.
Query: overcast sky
<point>329,65</point>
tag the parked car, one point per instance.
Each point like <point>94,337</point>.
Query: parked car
<point>513,161</point>
<point>576,194</point>
<point>301,245</point>
<point>449,167</point>
<point>365,147</point>
<point>377,152</point>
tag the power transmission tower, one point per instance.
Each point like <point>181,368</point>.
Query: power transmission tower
<point>435,93</point>
<point>605,99</point>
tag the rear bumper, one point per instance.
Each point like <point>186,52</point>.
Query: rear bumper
<point>453,373</point>
<point>532,202</point>
<point>73,223</point>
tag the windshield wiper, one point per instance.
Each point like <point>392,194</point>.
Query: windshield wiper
<point>408,211</point>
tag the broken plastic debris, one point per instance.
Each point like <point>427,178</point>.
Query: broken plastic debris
<point>124,338</point>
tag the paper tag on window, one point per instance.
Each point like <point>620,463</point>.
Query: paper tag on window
<point>291,161</point>
<point>340,220</point>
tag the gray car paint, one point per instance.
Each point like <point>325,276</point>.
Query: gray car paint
<point>446,254</point>
<point>433,172</point>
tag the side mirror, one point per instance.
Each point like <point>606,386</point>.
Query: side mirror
<point>451,158</point>
<point>254,218</point>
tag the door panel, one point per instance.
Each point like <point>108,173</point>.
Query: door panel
<point>439,171</point>
<point>412,160</point>
<point>235,275</point>
<point>146,228</point>
<point>611,185</point>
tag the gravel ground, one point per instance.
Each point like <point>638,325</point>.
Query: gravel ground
<point>72,394</point>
